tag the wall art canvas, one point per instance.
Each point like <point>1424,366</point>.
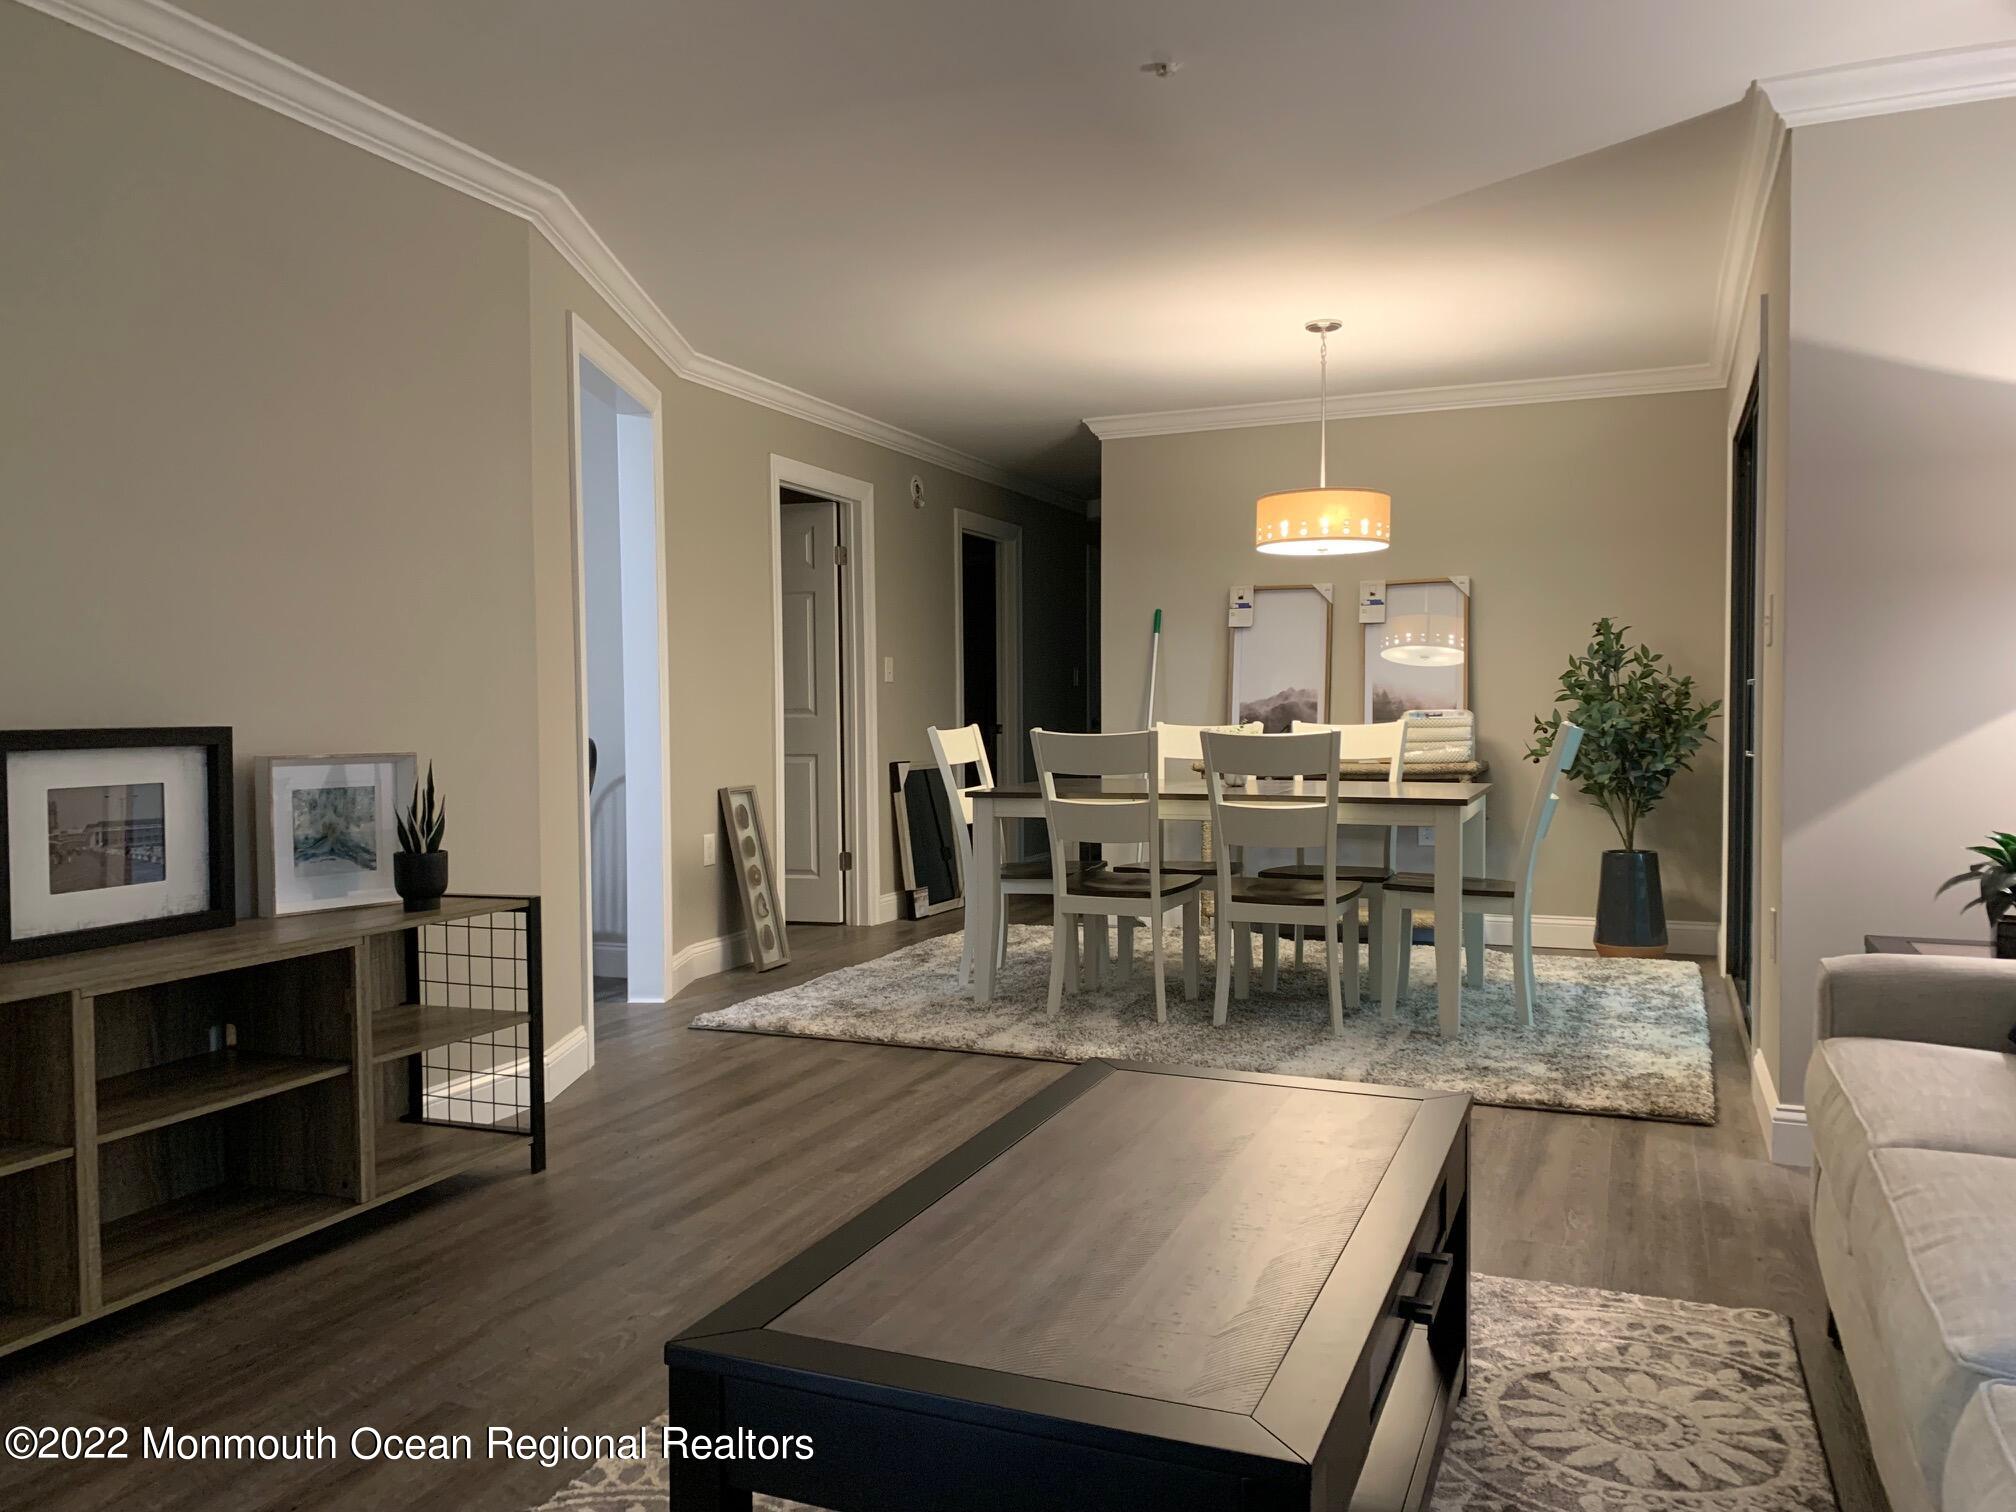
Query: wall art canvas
<point>1280,663</point>
<point>1428,623</point>
<point>111,836</point>
<point>755,880</point>
<point>328,829</point>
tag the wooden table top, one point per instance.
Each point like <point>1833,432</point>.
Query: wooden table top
<point>1135,1240</point>
<point>1450,793</point>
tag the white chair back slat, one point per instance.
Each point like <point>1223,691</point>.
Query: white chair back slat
<point>1540,818</point>
<point>1301,822</point>
<point>1107,819</point>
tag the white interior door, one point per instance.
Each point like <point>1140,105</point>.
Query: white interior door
<point>814,833</point>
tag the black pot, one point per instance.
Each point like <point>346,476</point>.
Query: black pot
<point>1630,910</point>
<point>2005,937</point>
<point>421,879</point>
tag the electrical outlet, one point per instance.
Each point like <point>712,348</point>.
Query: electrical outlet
<point>707,849</point>
<point>888,669</point>
<point>1424,834</point>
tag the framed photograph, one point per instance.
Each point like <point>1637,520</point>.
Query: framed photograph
<point>1279,664</point>
<point>1418,657</point>
<point>328,829</point>
<point>749,854</point>
<point>112,836</point>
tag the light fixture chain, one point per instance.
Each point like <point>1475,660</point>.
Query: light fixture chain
<point>1323,410</point>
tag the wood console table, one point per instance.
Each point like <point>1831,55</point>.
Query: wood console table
<point>171,1107</point>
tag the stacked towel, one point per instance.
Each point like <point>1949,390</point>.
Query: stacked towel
<point>1441,735</point>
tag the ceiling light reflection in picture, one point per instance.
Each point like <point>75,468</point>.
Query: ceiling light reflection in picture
<point>1322,521</point>
<point>1423,640</point>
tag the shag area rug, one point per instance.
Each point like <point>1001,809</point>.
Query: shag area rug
<point>1579,1401</point>
<point>1616,1036</point>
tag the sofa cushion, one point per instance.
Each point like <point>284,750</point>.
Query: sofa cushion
<point>1981,1465</point>
<point>1877,1094</point>
<point>1933,1233</point>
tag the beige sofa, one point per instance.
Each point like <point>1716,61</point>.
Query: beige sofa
<point>1911,1095</point>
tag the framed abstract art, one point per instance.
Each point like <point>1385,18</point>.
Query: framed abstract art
<point>327,829</point>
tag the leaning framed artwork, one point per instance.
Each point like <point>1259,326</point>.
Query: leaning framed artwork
<point>1418,655</point>
<point>328,829</point>
<point>112,836</point>
<point>749,853</point>
<point>1278,661</point>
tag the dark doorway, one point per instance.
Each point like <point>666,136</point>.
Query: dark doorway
<point>980,630</point>
<point>1740,724</point>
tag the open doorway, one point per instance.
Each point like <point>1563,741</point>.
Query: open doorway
<point>987,630</point>
<point>829,813</point>
<point>620,608</point>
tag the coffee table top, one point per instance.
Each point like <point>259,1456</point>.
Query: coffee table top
<point>1157,1248</point>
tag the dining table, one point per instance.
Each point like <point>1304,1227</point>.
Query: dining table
<point>1454,812</point>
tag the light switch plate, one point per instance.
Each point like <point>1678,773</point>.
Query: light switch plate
<point>707,849</point>
<point>888,669</point>
<point>1424,834</point>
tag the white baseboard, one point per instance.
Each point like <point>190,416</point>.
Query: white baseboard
<point>496,1089</point>
<point>1787,1138</point>
<point>704,958</point>
<point>612,958</point>
<point>1693,937</point>
<point>888,908</point>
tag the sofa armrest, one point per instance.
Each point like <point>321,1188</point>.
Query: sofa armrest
<point>1945,1000</point>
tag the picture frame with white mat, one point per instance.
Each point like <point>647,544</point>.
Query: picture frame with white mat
<point>327,829</point>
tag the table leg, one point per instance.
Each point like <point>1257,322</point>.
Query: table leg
<point>700,1484</point>
<point>1449,919</point>
<point>983,897</point>
<point>1473,923</point>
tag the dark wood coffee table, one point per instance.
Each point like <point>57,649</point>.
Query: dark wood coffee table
<point>1146,1289</point>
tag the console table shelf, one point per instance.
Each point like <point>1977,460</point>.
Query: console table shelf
<point>172,1107</point>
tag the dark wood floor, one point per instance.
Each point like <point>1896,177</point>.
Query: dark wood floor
<point>684,1166</point>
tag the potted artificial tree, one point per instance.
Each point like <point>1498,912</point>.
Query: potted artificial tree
<point>1994,879</point>
<point>420,867</point>
<point>1641,725</point>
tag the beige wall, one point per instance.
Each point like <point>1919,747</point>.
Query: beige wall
<point>1560,513</point>
<point>262,443</point>
<point>286,447</point>
<point>1900,694</point>
<point>1768,292</point>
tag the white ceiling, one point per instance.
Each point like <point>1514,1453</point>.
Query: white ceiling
<point>982,223</point>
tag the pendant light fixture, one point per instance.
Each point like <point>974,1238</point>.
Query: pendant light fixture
<point>1323,521</point>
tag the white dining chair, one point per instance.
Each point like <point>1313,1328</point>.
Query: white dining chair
<point>1385,742</point>
<point>963,747</point>
<point>1125,810</point>
<point>1494,895</point>
<point>1242,817</point>
<point>1182,752</point>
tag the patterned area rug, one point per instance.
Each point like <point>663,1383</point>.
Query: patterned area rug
<point>1626,1037</point>
<point>1580,1401</point>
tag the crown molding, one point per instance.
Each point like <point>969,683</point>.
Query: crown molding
<point>195,47</point>
<point>1666,380</point>
<point>1888,85</point>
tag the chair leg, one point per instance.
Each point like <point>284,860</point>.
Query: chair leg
<point>1298,947</point>
<point>1123,963</point>
<point>1523,985</point>
<point>1071,955</point>
<point>1192,911</point>
<point>1222,994</point>
<point>1001,932</point>
<point>1062,928</point>
<point>1473,949</point>
<point>1270,957</point>
<point>1242,961</point>
<point>1333,956</point>
<point>1375,937</point>
<point>966,956</point>
<point>1093,952</point>
<point>1344,944</point>
<point>1155,957</point>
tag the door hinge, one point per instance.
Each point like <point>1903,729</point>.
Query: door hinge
<point>839,556</point>
<point>846,860</point>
